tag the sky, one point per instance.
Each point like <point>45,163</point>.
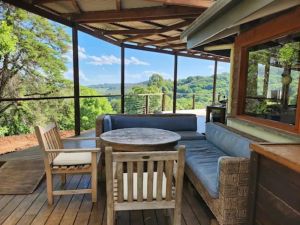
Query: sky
<point>99,62</point>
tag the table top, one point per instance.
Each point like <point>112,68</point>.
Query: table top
<point>140,137</point>
<point>285,154</point>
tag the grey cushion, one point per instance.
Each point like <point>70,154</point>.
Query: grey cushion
<point>190,135</point>
<point>231,143</point>
<point>202,158</point>
<point>172,123</point>
<point>107,126</point>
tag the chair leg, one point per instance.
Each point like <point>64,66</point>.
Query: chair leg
<point>94,182</point>
<point>49,178</point>
<point>110,216</point>
<point>177,216</point>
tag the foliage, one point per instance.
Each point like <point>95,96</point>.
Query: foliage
<point>90,108</point>
<point>32,64</point>
<point>7,40</point>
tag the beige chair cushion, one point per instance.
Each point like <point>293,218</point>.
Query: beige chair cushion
<point>70,159</point>
<point>145,181</point>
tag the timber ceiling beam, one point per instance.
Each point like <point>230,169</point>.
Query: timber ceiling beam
<point>136,14</point>
<point>192,3</point>
<point>118,5</point>
<point>147,31</point>
<point>166,40</point>
<point>158,31</point>
<point>41,2</point>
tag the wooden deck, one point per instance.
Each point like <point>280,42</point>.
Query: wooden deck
<point>79,209</point>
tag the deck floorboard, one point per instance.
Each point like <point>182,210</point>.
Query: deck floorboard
<point>79,209</point>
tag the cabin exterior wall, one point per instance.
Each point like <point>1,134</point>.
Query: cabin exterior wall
<point>244,40</point>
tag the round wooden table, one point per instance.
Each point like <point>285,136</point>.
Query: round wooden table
<point>140,139</point>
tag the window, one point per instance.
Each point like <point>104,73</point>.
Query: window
<point>272,80</point>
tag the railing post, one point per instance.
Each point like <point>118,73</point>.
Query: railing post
<point>76,79</point>
<point>163,102</point>
<point>175,83</point>
<point>194,102</point>
<point>122,79</point>
<point>146,104</point>
<point>215,82</point>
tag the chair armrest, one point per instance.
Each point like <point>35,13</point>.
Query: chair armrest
<point>74,150</point>
<point>82,139</point>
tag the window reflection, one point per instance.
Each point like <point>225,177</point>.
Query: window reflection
<point>273,79</point>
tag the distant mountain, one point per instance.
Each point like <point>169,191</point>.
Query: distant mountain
<point>114,88</point>
<point>191,84</point>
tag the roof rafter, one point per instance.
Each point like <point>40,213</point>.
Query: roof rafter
<point>159,31</point>
<point>137,14</point>
<point>40,2</point>
<point>193,3</point>
<point>169,39</point>
<point>147,31</point>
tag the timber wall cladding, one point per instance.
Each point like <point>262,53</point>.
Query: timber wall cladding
<point>277,194</point>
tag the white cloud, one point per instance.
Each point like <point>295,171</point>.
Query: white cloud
<point>82,75</point>
<point>81,53</point>
<point>104,60</point>
<point>112,59</point>
<point>134,61</point>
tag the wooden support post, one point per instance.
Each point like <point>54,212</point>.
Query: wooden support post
<point>122,79</point>
<point>76,80</point>
<point>146,104</point>
<point>163,102</point>
<point>194,102</point>
<point>215,82</point>
<point>175,83</point>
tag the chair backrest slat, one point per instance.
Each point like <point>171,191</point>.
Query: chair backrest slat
<point>130,181</point>
<point>120,181</point>
<point>49,138</point>
<point>169,177</point>
<point>163,170</point>
<point>140,175</point>
<point>159,182</point>
<point>150,181</point>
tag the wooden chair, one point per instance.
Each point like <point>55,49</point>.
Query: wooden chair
<point>59,160</point>
<point>130,187</point>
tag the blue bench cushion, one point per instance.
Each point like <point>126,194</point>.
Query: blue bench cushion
<point>107,126</point>
<point>202,158</point>
<point>190,135</point>
<point>231,143</point>
<point>172,123</point>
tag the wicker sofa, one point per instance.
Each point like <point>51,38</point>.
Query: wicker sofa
<point>183,124</point>
<point>218,167</point>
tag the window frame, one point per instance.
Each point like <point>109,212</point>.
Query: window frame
<point>280,26</point>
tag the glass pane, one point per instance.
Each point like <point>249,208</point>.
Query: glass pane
<point>33,60</point>
<point>273,79</point>
<point>195,83</point>
<point>222,84</point>
<point>99,66</point>
<point>148,82</point>
<point>20,117</point>
<point>90,108</point>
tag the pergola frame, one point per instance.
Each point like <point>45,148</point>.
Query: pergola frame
<point>78,27</point>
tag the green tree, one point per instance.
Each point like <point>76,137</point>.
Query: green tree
<point>31,64</point>
<point>90,108</point>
